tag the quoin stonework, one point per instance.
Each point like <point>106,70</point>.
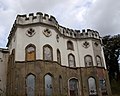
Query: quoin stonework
<point>46,59</point>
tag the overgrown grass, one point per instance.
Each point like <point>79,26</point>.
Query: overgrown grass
<point>115,87</point>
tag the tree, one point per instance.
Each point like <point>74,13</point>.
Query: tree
<point>112,55</point>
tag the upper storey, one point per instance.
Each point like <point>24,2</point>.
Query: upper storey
<point>42,35</point>
<point>45,19</point>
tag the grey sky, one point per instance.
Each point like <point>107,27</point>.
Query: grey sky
<point>100,15</point>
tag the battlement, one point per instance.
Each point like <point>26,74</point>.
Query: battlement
<point>89,33</point>
<point>36,18</point>
<point>79,34</point>
<point>50,20</point>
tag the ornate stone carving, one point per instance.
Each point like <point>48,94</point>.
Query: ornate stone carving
<point>86,44</point>
<point>57,38</point>
<point>30,32</point>
<point>96,44</point>
<point>47,32</point>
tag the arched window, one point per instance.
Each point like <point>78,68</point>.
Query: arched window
<point>30,52</point>
<point>30,85</point>
<point>70,45</point>
<point>58,56</point>
<point>73,87</point>
<point>103,86</point>
<point>47,52</point>
<point>60,85</point>
<point>98,59</point>
<point>92,86</point>
<point>48,85</point>
<point>88,60</point>
<point>71,60</point>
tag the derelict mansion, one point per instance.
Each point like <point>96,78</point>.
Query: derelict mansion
<point>46,59</point>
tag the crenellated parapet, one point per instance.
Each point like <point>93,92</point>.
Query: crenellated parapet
<point>40,18</point>
<point>36,18</point>
<point>50,20</point>
<point>88,33</point>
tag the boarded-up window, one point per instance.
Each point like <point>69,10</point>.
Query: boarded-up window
<point>88,60</point>
<point>98,59</point>
<point>47,52</point>
<point>70,45</point>
<point>60,85</point>
<point>92,86</point>
<point>102,83</point>
<point>58,56</point>
<point>30,82</point>
<point>30,53</point>
<point>48,85</point>
<point>71,60</point>
<point>73,87</point>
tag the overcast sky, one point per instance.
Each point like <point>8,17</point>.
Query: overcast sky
<point>100,15</point>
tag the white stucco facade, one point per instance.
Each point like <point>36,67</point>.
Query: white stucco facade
<point>20,40</point>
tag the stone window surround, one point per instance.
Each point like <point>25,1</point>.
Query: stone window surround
<point>85,60</point>
<point>97,61</point>
<point>60,84</point>
<point>26,81</point>
<point>70,45</point>
<point>52,82</point>
<point>95,84</point>
<point>69,60</point>
<point>73,78</point>
<point>58,52</point>
<point>30,45</point>
<point>47,45</point>
<point>52,77</point>
<point>52,54</point>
